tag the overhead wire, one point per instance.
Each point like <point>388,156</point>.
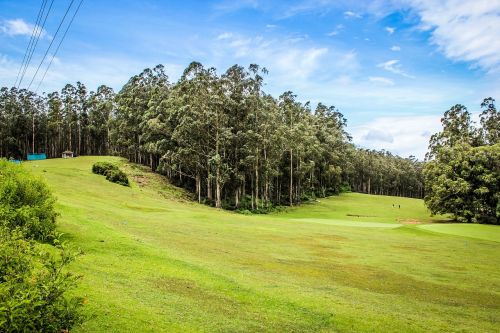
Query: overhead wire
<point>37,38</point>
<point>59,45</point>
<point>32,37</point>
<point>51,42</point>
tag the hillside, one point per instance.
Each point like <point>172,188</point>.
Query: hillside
<point>155,261</point>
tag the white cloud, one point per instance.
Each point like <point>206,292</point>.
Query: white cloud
<point>19,27</point>
<point>224,35</point>
<point>343,80</point>
<point>463,30</point>
<point>378,136</point>
<point>300,63</point>
<point>395,48</point>
<point>394,66</point>
<point>382,80</point>
<point>336,31</point>
<point>407,135</point>
<point>390,30</point>
<point>351,14</point>
<point>291,59</point>
<point>271,26</point>
<point>226,6</point>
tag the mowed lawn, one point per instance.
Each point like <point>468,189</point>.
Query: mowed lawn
<point>156,262</point>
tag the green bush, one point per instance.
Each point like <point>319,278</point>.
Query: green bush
<point>33,286</point>
<point>117,176</point>
<point>26,203</point>
<point>101,168</point>
<point>112,173</point>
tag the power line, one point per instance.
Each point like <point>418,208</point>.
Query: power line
<point>58,46</point>
<point>28,48</point>
<point>37,38</point>
<point>52,41</point>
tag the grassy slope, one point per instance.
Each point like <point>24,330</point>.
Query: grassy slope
<point>155,262</point>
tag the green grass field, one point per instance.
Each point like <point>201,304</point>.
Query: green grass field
<point>156,262</point>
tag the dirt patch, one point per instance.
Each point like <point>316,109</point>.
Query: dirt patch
<point>410,221</point>
<point>358,215</point>
<point>455,268</point>
<point>140,180</point>
<point>332,237</point>
<point>411,248</point>
<point>188,288</point>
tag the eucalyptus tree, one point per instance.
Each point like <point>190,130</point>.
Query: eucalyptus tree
<point>236,89</point>
<point>457,127</point>
<point>490,122</point>
<point>55,124</point>
<point>188,156</point>
<point>70,115</point>
<point>332,151</point>
<point>101,107</point>
<point>132,104</point>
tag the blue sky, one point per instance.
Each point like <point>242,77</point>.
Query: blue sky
<point>392,67</point>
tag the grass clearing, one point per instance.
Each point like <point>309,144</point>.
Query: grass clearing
<point>155,261</point>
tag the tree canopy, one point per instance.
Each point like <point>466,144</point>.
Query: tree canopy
<point>462,175</point>
<point>220,136</point>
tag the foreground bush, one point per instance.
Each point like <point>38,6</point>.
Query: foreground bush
<point>26,203</point>
<point>112,173</point>
<point>33,287</point>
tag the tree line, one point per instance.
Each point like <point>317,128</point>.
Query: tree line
<point>221,136</point>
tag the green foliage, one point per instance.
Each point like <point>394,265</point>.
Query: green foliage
<point>34,285</point>
<point>464,181</point>
<point>117,176</point>
<point>101,168</point>
<point>111,171</point>
<point>462,176</point>
<point>26,203</point>
<point>345,188</point>
<point>380,172</point>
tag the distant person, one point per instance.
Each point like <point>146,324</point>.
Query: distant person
<point>399,206</point>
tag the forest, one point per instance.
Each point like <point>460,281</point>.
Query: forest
<point>222,137</point>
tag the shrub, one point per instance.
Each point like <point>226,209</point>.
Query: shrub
<point>117,176</point>
<point>112,173</point>
<point>33,286</point>
<point>26,203</point>
<point>101,168</point>
<point>345,188</point>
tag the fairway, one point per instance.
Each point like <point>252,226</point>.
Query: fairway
<point>154,261</point>
<point>350,223</point>
<point>479,231</point>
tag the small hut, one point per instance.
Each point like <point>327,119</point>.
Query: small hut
<point>67,154</point>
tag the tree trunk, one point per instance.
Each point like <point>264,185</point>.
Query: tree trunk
<point>291,177</point>
<point>256,178</point>
<point>198,186</point>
